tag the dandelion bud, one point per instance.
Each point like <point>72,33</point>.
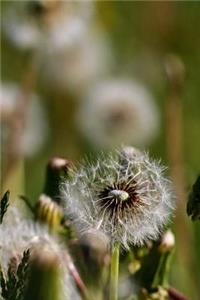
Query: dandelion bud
<point>49,212</point>
<point>95,245</point>
<point>124,195</point>
<point>167,242</point>
<point>44,280</point>
<point>94,258</point>
<point>175,71</point>
<point>57,168</point>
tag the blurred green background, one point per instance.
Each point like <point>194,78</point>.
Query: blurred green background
<point>140,35</point>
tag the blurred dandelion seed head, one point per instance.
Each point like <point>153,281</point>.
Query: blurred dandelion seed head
<point>35,128</point>
<point>19,28</point>
<point>124,196</point>
<point>77,67</point>
<point>18,234</point>
<point>58,25</point>
<point>116,112</point>
<point>71,50</point>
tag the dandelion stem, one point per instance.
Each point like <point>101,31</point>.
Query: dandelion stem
<point>114,272</point>
<point>162,273</point>
<point>72,269</point>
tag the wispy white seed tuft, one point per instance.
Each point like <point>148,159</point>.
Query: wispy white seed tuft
<point>72,52</point>
<point>18,234</point>
<point>34,131</point>
<point>77,67</point>
<point>58,27</point>
<point>124,195</point>
<point>118,111</point>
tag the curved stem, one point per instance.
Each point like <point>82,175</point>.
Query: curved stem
<point>114,272</point>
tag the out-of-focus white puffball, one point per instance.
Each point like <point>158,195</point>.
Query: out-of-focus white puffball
<point>35,130</point>
<point>76,53</point>
<point>68,28</point>
<point>46,25</point>
<point>77,68</point>
<point>71,51</point>
<point>18,234</point>
<point>118,111</point>
<point>19,28</point>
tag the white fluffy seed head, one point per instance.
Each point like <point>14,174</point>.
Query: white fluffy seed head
<point>77,67</point>
<point>34,132</point>
<point>118,111</point>
<point>124,195</point>
<point>18,234</point>
<point>72,52</point>
<point>21,32</point>
<point>60,27</point>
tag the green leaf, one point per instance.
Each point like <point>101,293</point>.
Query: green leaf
<point>193,205</point>
<point>13,285</point>
<point>4,205</point>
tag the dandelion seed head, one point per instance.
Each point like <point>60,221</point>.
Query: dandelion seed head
<point>124,195</point>
<point>80,65</point>
<point>18,234</point>
<point>57,26</point>
<point>21,32</point>
<point>118,111</point>
<point>35,127</point>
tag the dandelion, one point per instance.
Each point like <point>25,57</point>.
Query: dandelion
<point>76,67</point>
<point>34,131</point>
<point>70,52</point>
<point>118,111</point>
<point>125,196</point>
<point>49,23</point>
<point>21,32</point>
<point>18,235</point>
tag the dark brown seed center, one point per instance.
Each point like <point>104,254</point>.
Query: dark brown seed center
<point>118,199</point>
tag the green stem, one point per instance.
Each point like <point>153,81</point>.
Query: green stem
<point>114,272</point>
<point>162,273</point>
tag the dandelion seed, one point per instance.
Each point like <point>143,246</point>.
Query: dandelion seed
<point>116,112</point>
<point>124,195</point>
